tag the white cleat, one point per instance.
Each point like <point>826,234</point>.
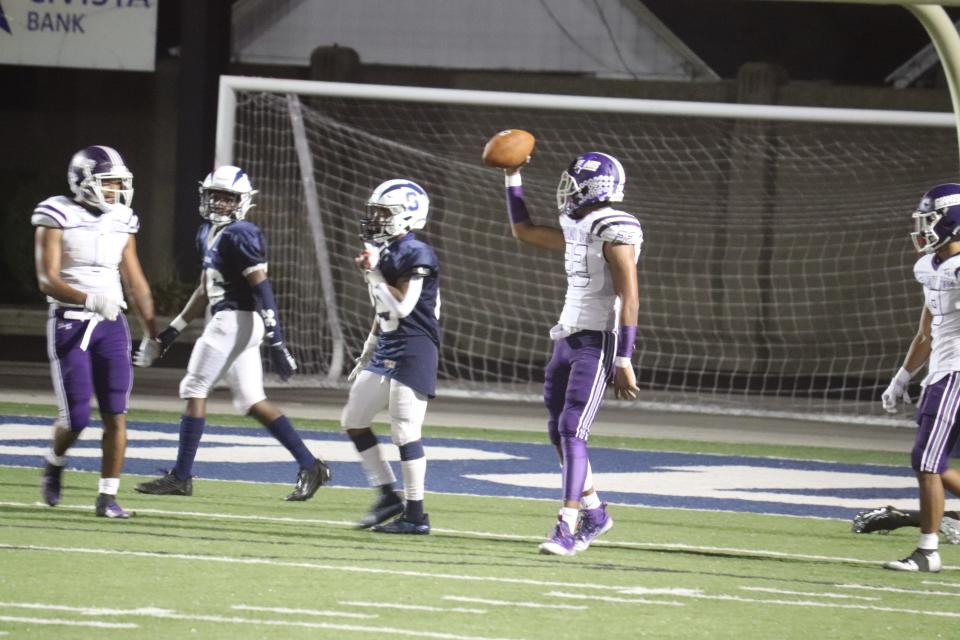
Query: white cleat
<point>926,561</point>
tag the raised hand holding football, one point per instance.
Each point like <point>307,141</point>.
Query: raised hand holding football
<point>508,149</point>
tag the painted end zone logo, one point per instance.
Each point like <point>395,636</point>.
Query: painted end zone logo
<point>490,468</point>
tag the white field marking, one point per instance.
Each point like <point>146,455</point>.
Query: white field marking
<point>789,603</point>
<point>649,546</point>
<point>306,612</point>
<point>514,603</point>
<point>86,611</point>
<point>411,607</point>
<point>243,448</point>
<point>941,583</point>
<point>71,623</point>
<point>615,599</point>
<point>724,482</point>
<point>921,592</point>
<point>668,591</point>
<point>816,594</point>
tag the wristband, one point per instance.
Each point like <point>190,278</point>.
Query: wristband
<point>626,338</point>
<point>179,323</point>
<point>512,180</point>
<point>516,207</point>
<point>622,362</point>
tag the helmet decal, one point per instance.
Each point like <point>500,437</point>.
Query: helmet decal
<point>395,208</point>
<point>591,178</point>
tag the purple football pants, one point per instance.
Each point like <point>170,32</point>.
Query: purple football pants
<point>103,368</point>
<point>576,378</point>
<point>937,425</point>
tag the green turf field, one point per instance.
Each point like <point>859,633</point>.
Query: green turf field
<point>234,561</point>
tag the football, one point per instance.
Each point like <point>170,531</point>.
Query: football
<point>508,149</point>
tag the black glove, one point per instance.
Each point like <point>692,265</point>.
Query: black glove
<point>282,360</point>
<point>166,338</point>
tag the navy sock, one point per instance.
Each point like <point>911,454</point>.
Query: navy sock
<point>413,510</point>
<point>283,431</point>
<point>191,430</point>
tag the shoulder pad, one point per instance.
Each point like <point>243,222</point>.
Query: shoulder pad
<point>57,212</point>
<point>618,227</point>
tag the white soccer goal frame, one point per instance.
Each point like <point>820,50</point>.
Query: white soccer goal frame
<point>230,85</point>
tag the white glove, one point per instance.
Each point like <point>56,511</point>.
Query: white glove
<point>369,258</point>
<point>364,359</point>
<point>104,305</point>
<point>148,352</point>
<point>897,390</point>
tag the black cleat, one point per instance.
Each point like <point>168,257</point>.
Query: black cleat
<point>883,519</point>
<point>51,484</point>
<point>167,485</point>
<point>403,526</point>
<point>309,480</point>
<point>388,505</point>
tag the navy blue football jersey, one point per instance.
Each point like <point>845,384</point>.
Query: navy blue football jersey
<point>229,253</point>
<point>408,348</point>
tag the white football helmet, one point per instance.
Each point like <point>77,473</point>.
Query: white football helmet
<point>226,195</point>
<point>393,209</point>
<point>90,168</point>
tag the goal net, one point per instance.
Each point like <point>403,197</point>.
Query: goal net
<point>775,275</point>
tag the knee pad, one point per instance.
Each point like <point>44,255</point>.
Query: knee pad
<point>193,386</point>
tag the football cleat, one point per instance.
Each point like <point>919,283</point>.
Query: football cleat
<point>593,524</point>
<point>167,485</point>
<point>309,480</point>
<point>919,560</point>
<point>561,542</point>
<point>950,528</point>
<point>50,484</point>
<point>883,519</point>
<point>107,507</point>
<point>403,526</point>
<point>387,506</point>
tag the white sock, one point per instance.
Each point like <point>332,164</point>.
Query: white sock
<point>55,460</point>
<point>929,541</point>
<point>591,501</point>
<point>414,475</point>
<point>109,486</point>
<point>375,467</point>
<point>569,515</point>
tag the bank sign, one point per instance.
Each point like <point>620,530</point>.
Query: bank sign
<point>88,34</point>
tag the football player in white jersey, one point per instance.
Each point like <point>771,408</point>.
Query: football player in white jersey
<point>594,338</point>
<point>85,245</point>
<point>397,369</point>
<point>236,292</point>
<point>936,344</point>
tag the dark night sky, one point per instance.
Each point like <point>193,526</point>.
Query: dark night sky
<point>841,43</point>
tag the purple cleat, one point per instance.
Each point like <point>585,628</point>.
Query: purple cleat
<point>561,542</point>
<point>50,484</point>
<point>107,507</point>
<point>593,524</point>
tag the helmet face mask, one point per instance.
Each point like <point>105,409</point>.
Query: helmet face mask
<point>592,178</point>
<point>226,195</point>
<point>937,218</point>
<point>99,178</point>
<point>395,208</point>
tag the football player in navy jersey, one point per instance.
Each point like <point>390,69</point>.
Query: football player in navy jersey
<point>397,369</point>
<point>85,246</point>
<point>595,334</point>
<point>243,313</point>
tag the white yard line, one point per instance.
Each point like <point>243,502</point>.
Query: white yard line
<point>409,607</point>
<point>922,592</point>
<point>614,599</point>
<point>788,603</point>
<point>514,603</point>
<point>941,583</point>
<point>651,546</point>
<point>70,623</point>
<point>815,594</point>
<point>305,612</point>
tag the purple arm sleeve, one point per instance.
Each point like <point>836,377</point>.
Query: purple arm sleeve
<point>625,340</point>
<point>516,207</point>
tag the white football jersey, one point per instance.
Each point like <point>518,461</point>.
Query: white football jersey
<point>92,245</point>
<point>941,289</point>
<point>591,302</point>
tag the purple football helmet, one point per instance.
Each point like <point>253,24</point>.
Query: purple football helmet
<point>591,178</point>
<point>937,218</point>
<point>90,167</point>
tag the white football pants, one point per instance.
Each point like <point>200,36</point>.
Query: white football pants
<point>371,393</point>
